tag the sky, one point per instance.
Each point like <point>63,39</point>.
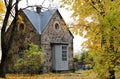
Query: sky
<point>65,14</point>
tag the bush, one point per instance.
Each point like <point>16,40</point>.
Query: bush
<point>31,61</point>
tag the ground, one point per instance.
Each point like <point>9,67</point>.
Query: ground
<point>77,75</point>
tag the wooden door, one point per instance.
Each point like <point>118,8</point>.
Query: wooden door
<point>60,57</point>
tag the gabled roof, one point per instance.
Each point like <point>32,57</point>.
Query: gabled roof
<point>40,20</point>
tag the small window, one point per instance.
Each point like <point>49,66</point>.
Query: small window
<point>21,27</point>
<point>57,26</point>
<point>21,55</point>
<point>20,52</point>
<point>64,53</point>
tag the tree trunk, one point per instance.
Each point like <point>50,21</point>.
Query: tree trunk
<point>5,47</point>
<point>3,61</point>
<point>112,71</point>
<point>111,74</point>
<point>2,70</point>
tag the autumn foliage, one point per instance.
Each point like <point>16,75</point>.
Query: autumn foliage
<point>2,11</point>
<point>98,22</point>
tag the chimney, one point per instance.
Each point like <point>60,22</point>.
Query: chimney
<point>38,9</point>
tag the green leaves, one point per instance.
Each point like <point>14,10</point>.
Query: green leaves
<point>32,60</point>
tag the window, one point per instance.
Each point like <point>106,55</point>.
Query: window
<point>64,53</point>
<point>21,52</point>
<point>21,55</point>
<point>21,26</point>
<point>57,26</point>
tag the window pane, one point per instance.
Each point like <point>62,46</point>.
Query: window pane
<point>64,53</point>
<point>56,26</point>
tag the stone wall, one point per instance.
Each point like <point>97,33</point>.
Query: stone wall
<point>52,35</point>
<point>27,34</point>
<point>24,35</point>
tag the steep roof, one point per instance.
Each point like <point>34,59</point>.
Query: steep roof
<point>39,20</point>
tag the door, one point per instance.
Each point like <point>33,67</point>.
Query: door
<point>60,57</point>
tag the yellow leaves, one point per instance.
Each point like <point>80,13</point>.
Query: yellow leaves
<point>20,19</point>
<point>2,12</point>
<point>75,30</point>
<point>105,30</point>
<point>2,9</point>
<point>97,45</point>
<point>101,25</point>
<point>88,75</point>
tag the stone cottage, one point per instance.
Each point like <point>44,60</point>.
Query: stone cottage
<point>48,30</point>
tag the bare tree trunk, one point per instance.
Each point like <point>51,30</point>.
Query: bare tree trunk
<point>2,69</point>
<point>3,44</point>
<point>5,47</point>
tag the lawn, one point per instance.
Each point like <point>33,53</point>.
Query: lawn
<point>76,75</point>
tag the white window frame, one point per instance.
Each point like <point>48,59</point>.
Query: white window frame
<point>64,53</point>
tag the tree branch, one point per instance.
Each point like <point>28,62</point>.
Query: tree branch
<point>92,4</point>
<point>6,3</point>
<point>101,6</point>
<point>37,6</point>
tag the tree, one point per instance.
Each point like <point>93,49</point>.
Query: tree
<point>86,57</point>
<point>10,8</point>
<point>77,57</point>
<point>32,60</point>
<point>98,21</point>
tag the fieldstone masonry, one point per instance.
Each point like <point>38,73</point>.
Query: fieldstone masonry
<point>52,35</point>
<point>26,34</point>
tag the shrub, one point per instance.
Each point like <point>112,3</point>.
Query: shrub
<point>31,61</point>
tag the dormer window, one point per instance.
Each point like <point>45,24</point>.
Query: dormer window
<point>56,26</point>
<point>21,26</point>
